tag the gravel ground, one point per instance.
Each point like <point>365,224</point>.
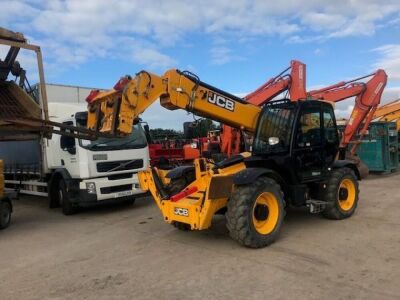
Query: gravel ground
<point>128,252</point>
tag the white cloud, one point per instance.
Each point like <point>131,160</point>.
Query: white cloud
<point>81,30</point>
<point>389,60</point>
<point>159,117</point>
<point>152,58</point>
<point>390,94</point>
<point>221,55</point>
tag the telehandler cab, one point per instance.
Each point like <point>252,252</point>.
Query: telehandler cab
<point>297,158</point>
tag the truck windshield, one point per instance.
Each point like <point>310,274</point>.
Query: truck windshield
<point>135,140</point>
<point>274,129</point>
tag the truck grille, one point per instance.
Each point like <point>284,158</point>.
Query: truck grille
<point>127,165</point>
<point>116,189</point>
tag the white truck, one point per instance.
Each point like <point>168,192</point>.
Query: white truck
<point>73,172</point>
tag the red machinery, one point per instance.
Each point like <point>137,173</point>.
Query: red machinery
<point>368,96</point>
<point>160,154</point>
<point>295,85</point>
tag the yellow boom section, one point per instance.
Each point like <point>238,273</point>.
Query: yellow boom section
<point>387,109</point>
<point>389,112</point>
<point>114,111</point>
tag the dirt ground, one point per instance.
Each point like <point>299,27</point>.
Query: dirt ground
<point>128,252</point>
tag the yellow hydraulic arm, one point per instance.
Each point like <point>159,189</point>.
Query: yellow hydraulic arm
<point>389,112</point>
<point>115,111</point>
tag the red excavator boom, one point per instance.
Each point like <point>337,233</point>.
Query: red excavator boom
<point>368,96</point>
<point>294,83</point>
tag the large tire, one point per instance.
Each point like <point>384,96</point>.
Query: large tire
<point>255,213</point>
<point>131,200</point>
<point>67,207</point>
<point>341,194</point>
<point>178,184</point>
<point>5,214</point>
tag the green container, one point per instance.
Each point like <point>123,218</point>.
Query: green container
<point>379,148</point>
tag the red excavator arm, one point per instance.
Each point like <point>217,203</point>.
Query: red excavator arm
<point>294,83</point>
<point>368,96</point>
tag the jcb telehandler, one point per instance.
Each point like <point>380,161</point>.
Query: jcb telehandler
<point>296,157</point>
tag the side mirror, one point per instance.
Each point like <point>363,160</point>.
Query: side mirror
<point>67,143</point>
<point>146,128</point>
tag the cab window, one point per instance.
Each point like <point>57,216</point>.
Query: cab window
<point>309,128</point>
<point>331,134</point>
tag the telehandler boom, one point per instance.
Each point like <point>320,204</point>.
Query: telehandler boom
<point>294,160</point>
<point>389,112</point>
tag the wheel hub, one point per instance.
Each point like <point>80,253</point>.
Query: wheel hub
<point>346,194</point>
<point>261,212</point>
<point>265,213</point>
<point>343,194</point>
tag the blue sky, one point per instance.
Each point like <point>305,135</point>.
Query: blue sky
<point>234,45</point>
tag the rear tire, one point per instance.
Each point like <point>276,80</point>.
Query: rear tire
<point>67,207</point>
<point>255,213</point>
<point>341,194</point>
<point>5,214</point>
<point>178,184</point>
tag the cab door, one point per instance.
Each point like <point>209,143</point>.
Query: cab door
<point>308,150</point>
<point>68,158</point>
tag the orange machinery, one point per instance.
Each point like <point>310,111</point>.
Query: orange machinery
<point>389,112</point>
<point>367,98</point>
<point>295,85</point>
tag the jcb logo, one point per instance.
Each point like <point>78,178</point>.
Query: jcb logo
<point>221,101</point>
<point>181,212</point>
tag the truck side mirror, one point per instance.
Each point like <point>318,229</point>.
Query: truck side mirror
<point>67,143</point>
<point>146,128</point>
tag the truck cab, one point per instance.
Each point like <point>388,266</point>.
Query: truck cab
<point>85,172</point>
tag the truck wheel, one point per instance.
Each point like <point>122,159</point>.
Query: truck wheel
<point>131,200</point>
<point>67,207</point>
<point>255,213</point>
<point>5,214</point>
<point>341,194</point>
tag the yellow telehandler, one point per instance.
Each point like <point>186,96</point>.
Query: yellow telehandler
<point>297,157</point>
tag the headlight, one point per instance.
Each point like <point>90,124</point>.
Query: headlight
<point>91,187</point>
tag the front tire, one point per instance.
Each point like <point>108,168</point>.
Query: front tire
<point>67,207</point>
<point>255,213</point>
<point>341,194</point>
<point>5,214</point>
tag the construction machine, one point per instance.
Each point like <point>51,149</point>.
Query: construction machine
<point>296,157</point>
